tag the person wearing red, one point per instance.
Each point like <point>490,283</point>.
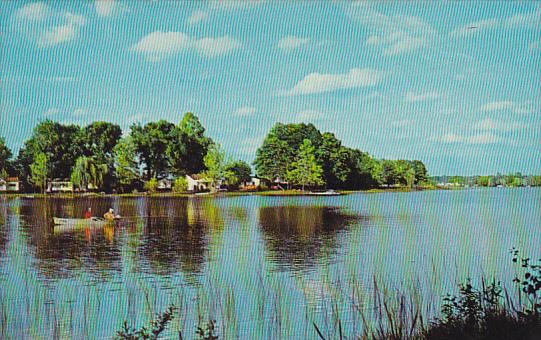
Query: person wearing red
<point>88,213</point>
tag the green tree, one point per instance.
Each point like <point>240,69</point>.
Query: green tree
<point>239,172</point>
<point>152,142</point>
<point>38,170</point>
<point>366,172</point>
<point>125,163</point>
<point>88,171</point>
<point>61,144</point>
<point>420,172</point>
<point>280,148</point>
<point>215,164</point>
<point>99,140</point>
<point>305,171</point>
<point>180,185</point>
<point>5,157</point>
<point>188,146</point>
<point>151,186</point>
<point>334,160</point>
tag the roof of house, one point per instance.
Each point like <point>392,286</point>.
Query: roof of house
<point>197,177</point>
<point>12,179</point>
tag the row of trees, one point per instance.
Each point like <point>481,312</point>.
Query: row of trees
<point>506,180</point>
<point>303,156</point>
<point>99,157</point>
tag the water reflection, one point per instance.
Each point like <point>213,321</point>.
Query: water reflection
<point>60,254</point>
<point>297,237</point>
<point>175,236</point>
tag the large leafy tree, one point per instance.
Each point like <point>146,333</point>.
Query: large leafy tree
<point>99,140</point>
<point>152,142</point>
<point>188,147</point>
<point>215,164</point>
<point>5,157</point>
<point>88,171</point>
<point>125,163</point>
<point>334,160</point>
<point>281,146</point>
<point>39,171</point>
<point>239,171</point>
<point>421,174</point>
<point>366,172</point>
<point>305,170</point>
<point>61,144</point>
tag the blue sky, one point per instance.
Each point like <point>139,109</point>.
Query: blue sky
<point>455,84</point>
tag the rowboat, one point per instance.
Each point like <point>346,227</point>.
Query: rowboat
<point>66,224</point>
<point>324,193</point>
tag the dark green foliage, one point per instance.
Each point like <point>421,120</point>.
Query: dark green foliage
<point>152,142</point>
<point>188,146</point>
<point>61,144</point>
<point>280,147</point>
<point>343,167</point>
<point>99,140</point>
<point>157,326</point>
<point>239,171</point>
<point>5,157</point>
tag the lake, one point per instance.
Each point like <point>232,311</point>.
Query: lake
<point>262,267</point>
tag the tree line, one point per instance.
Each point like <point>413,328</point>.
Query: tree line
<point>301,155</point>
<point>507,180</point>
<point>100,157</point>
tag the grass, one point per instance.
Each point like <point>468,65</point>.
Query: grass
<point>484,312</point>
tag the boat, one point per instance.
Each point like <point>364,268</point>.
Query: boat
<point>79,223</point>
<point>324,193</point>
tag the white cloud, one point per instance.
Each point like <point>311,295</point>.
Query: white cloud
<point>489,124</point>
<point>32,11</point>
<point>517,21</point>
<point>213,47</point>
<point>481,138</point>
<point>104,8</point>
<point>509,106</point>
<point>245,111</point>
<point>318,83</point>
<point>420,97</point>
<point>396,34</point>
<point>60,34</point>
<point>197,17</point>
<point>158,45</point>
<point>292,42</point>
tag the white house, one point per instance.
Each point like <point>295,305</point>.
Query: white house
<point>197,183</point>
<point>58,185</point>
<point>253,184</point>
<point>10,184</point>
<point>165,184</point>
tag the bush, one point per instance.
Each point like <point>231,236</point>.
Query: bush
<point>180,185</point>
<point>151,186</point>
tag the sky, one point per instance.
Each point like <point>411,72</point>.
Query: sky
<point>454,84</point>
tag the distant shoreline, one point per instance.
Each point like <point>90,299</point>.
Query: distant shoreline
<point>284,193</point>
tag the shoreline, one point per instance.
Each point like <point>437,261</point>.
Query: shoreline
<point>269,193</point>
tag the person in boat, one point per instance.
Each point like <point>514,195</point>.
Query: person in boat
<point>88,213</point>
<point>110,216</point>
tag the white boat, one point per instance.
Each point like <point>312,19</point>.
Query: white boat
<point>325,193</point>
<point>74,223</point>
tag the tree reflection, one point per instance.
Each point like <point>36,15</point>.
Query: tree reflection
<point>175,236</point>
<point>298,236</point>
<point>60,254</point>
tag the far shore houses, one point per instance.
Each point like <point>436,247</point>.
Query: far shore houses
<point>10,184</point>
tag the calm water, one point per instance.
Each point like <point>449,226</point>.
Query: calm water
<point>262,267</point>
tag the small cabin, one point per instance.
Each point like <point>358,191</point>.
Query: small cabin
<point>197,183</point>
<point>10,184</point>
<point>165,184</point>
<point>59,185</point>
